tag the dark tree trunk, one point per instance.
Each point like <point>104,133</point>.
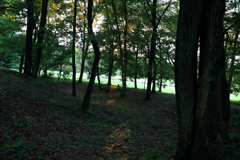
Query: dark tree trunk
<point>87,97</point>
<point>99,81</point>
<point>40,36</point>
<point>120,46</point>
<point>155,22</point>
<point>21,63</point>
<point>85,46</point>
<point>160,82</point>
<point>233,59</point>
<point>203,103</point>
<point>186,75</point>
<point>60,72</point>
<point>29,34</point>
<point>82,69</point>
<point>45,72</point>
<point>110,68</point>
<point>124,57</point>
<point>136,69</point>
<point>152,49</point>
<point>73,50</point>
<point>154,77</point>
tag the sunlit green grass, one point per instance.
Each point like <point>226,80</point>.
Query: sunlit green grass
<point>140,85</point>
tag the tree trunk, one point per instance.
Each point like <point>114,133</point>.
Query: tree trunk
<point>152,49</point>
<point>233,58</point>
<point>124,56</point>
<point>73,50</point>
<point>40,36</point>
<point>87,97</point>
<point>186,75</point>
<point>99,81</point>
<point>136,68</point>
<point>160,82</point>
<point>110,68</point>
<point>29,34</point>
<point>82,70</point>
<point>84,48</point>
<point>154,77</point>
<point>120,47</point>
<point>21,63</point>
<point>60,72</point>
<point>202,104</point>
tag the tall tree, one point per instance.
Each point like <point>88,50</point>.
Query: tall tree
<point>73,50</point>
<point>87,96</point>
<point>85,43</point>
<point>202,100</point>
<point>124,56</point>
<point>40,38</point>
<point>29,35</point>
<point>155,20</point>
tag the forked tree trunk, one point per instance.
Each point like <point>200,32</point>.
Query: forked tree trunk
<point>152,49</point>
<point>203,103</point>
<point>87,96</point>
<point>85,47</point>
<point>40,37</point>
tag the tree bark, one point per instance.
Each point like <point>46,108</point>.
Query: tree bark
<point>186,75</point>
<point>203,103</point>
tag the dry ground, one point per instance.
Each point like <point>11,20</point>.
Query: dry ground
<point>39,119</point>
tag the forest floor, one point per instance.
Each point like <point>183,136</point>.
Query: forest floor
<point>39,119</point>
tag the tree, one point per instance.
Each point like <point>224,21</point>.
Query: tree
<point>29,40</point>
<point>202,99</point>
<point>151,64</point>
<point>40,36</point>
<point>73,50</point>
<point>232,31</point>
<point>85,42</point>
<point>87,96</point>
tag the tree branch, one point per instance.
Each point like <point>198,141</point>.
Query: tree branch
<point>160,18</point>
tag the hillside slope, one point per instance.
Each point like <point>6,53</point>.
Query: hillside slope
<point>39,119</point>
